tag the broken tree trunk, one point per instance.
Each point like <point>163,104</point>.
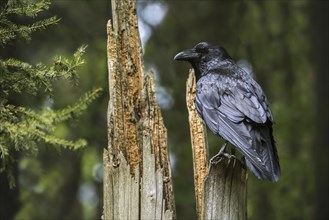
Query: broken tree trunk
<point>221,186</point>
<point>137,177</point>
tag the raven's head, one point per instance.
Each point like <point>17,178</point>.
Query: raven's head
<point>202,56</point>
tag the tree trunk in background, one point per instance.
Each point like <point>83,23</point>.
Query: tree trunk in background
<point>221,189</point>
<point>9,199</point>
<point>319,20</point>
<point>137,176</point>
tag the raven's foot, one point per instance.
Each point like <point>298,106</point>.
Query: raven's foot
<point>222,149</point>
<point>222,153</point>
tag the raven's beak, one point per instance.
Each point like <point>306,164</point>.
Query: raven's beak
<point>186,55</point>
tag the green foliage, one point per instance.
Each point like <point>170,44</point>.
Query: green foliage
<point>21,127</point>
<point>11,30</point>
<point>19,77</point>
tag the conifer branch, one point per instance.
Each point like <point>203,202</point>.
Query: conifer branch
<point>23,128</point>
<point>10,30</point>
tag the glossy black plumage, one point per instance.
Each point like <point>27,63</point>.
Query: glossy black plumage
<point>234,106</point>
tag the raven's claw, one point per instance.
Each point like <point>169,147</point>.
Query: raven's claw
<point>222,153</point>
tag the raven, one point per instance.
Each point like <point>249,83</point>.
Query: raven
<point>234,106</point>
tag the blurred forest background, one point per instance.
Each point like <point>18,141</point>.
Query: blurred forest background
<point>286,42</point>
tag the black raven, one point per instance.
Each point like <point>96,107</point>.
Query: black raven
<point>234,106</point>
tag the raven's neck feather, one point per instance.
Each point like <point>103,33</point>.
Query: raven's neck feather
<point>202,69</point>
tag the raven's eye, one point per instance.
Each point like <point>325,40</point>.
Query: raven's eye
<point>202,47</point>
<point>202,50</point>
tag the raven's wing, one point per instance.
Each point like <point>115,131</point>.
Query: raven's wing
<point>239,112</point>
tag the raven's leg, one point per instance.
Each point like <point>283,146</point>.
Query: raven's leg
<point>243,160</point>
<point>233,151</point>
<point>222,149</point>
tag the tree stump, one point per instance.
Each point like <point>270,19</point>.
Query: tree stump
<point>137,176</point>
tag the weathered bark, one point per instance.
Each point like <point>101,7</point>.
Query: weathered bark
<point>221,188</point>
<point>137,177</point>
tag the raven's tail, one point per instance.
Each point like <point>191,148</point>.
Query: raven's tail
<point>264,145</point>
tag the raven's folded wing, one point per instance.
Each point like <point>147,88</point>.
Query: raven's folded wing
<point>241,117</point>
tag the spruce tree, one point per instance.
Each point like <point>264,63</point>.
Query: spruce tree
<point>23,128</point>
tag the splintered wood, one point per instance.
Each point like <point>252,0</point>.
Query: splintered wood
<point>156,186</point>
<point>137,176</point>
<point>198,139</point>
<point>125,74</point>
